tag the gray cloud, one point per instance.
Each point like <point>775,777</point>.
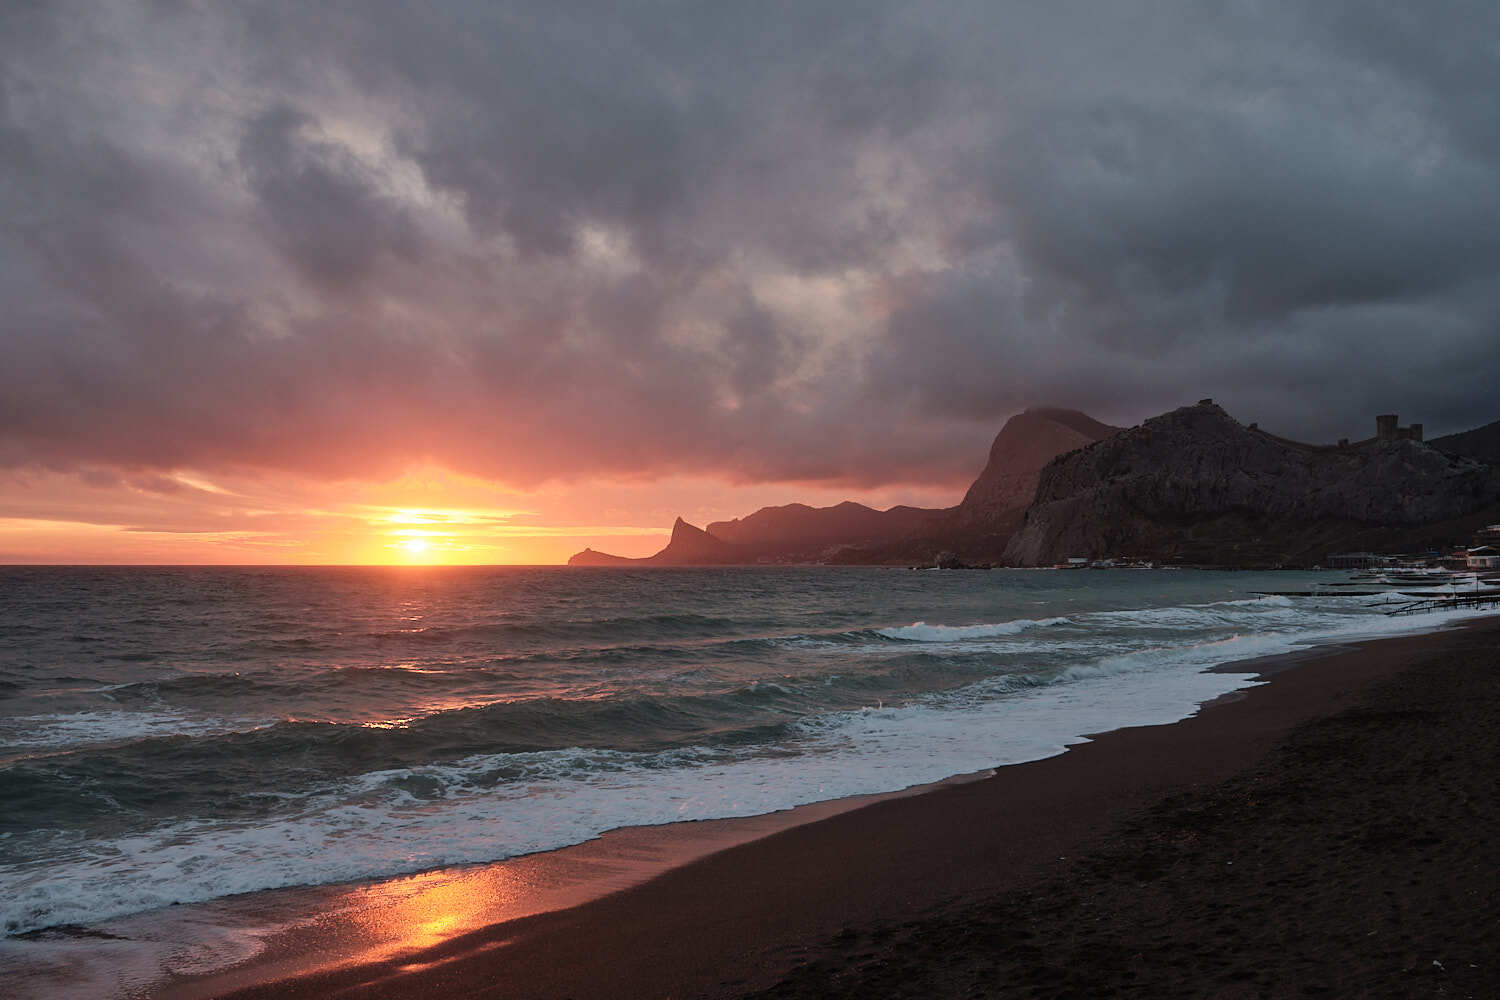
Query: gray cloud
<point>819,241</point>
<point>316,207</point>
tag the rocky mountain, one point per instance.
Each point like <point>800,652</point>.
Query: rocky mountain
<point>689,546</point>
<point>993,506</point>
<point>977,530</point>
<point>1194,485</point>
<point>793,533</point>
<point>1024,446</point>
<point>852,533</point>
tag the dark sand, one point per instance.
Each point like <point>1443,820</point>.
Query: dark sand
<point>1335,832</point>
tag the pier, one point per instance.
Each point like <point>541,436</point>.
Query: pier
<point>1481,599</point>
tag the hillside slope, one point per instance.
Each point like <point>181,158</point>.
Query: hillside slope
<point>797,527</point>
<point>1194,485</point>
<point>1481,444</point>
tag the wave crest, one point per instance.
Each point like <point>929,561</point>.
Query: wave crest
<point>923,632</point>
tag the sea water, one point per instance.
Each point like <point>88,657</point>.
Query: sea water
<point>178,735</point>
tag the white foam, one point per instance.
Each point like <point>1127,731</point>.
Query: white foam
<point>130,958</point>
<point>568,796</point>
<point>1198,615</point>
<point>1261,600</point>
<point>923,632</point>
<point>30,734</point>
<point>375,825</point>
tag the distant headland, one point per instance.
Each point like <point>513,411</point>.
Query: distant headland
<point>1190,487</point>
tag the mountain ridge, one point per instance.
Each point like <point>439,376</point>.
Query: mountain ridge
<point>1481,443</point>
<point>1194,485</point>
<point>853,533</point>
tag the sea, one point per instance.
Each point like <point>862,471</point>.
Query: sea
<point>174,737</point>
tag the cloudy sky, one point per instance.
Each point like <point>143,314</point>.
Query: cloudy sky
<point>312,281</point>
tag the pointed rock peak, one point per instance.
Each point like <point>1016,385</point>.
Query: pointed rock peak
<point>681,529</point>
<point>1204,413</point>
<point>691,545</point>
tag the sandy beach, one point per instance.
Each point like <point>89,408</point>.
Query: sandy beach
<point>1327,833</point>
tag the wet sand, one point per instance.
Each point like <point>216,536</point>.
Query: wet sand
<point>1331,833</point>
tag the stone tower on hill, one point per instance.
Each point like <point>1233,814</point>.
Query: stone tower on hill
<point>1387,429</point>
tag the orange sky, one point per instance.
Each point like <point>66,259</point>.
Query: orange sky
<point>428,516</point>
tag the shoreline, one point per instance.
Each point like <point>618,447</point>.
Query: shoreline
<point>1355,858</point>
<point>744,912</point>
<point>329,928</point>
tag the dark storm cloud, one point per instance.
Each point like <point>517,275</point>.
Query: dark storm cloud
<point>1123,200</point>
<point>1308,234</point>
<point>829,241</point>
<point>318,209</point>
<point>1445,55</point>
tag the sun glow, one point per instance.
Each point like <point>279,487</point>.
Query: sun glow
<point>428,518</point>
<point>427,536</point>
<point>419,545</point>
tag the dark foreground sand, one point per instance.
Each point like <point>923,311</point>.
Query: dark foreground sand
<point>1333,833</point>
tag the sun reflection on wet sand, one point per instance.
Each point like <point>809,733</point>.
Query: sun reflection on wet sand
<point>409,915</point>
<point>414,922</point>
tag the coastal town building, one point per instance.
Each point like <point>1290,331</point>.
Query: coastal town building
<point>1356,560</point>
<point>1483,557</point>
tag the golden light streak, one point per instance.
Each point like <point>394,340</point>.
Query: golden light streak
<point>199,483</point>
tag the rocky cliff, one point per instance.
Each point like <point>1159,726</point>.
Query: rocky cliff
<point>689,546</point>
<point>1194,485</point>
<point>692,546</point>
<point>1024,446</point>
<point>793,533</point>
<point>993,506</point>
<point>977,529</point>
